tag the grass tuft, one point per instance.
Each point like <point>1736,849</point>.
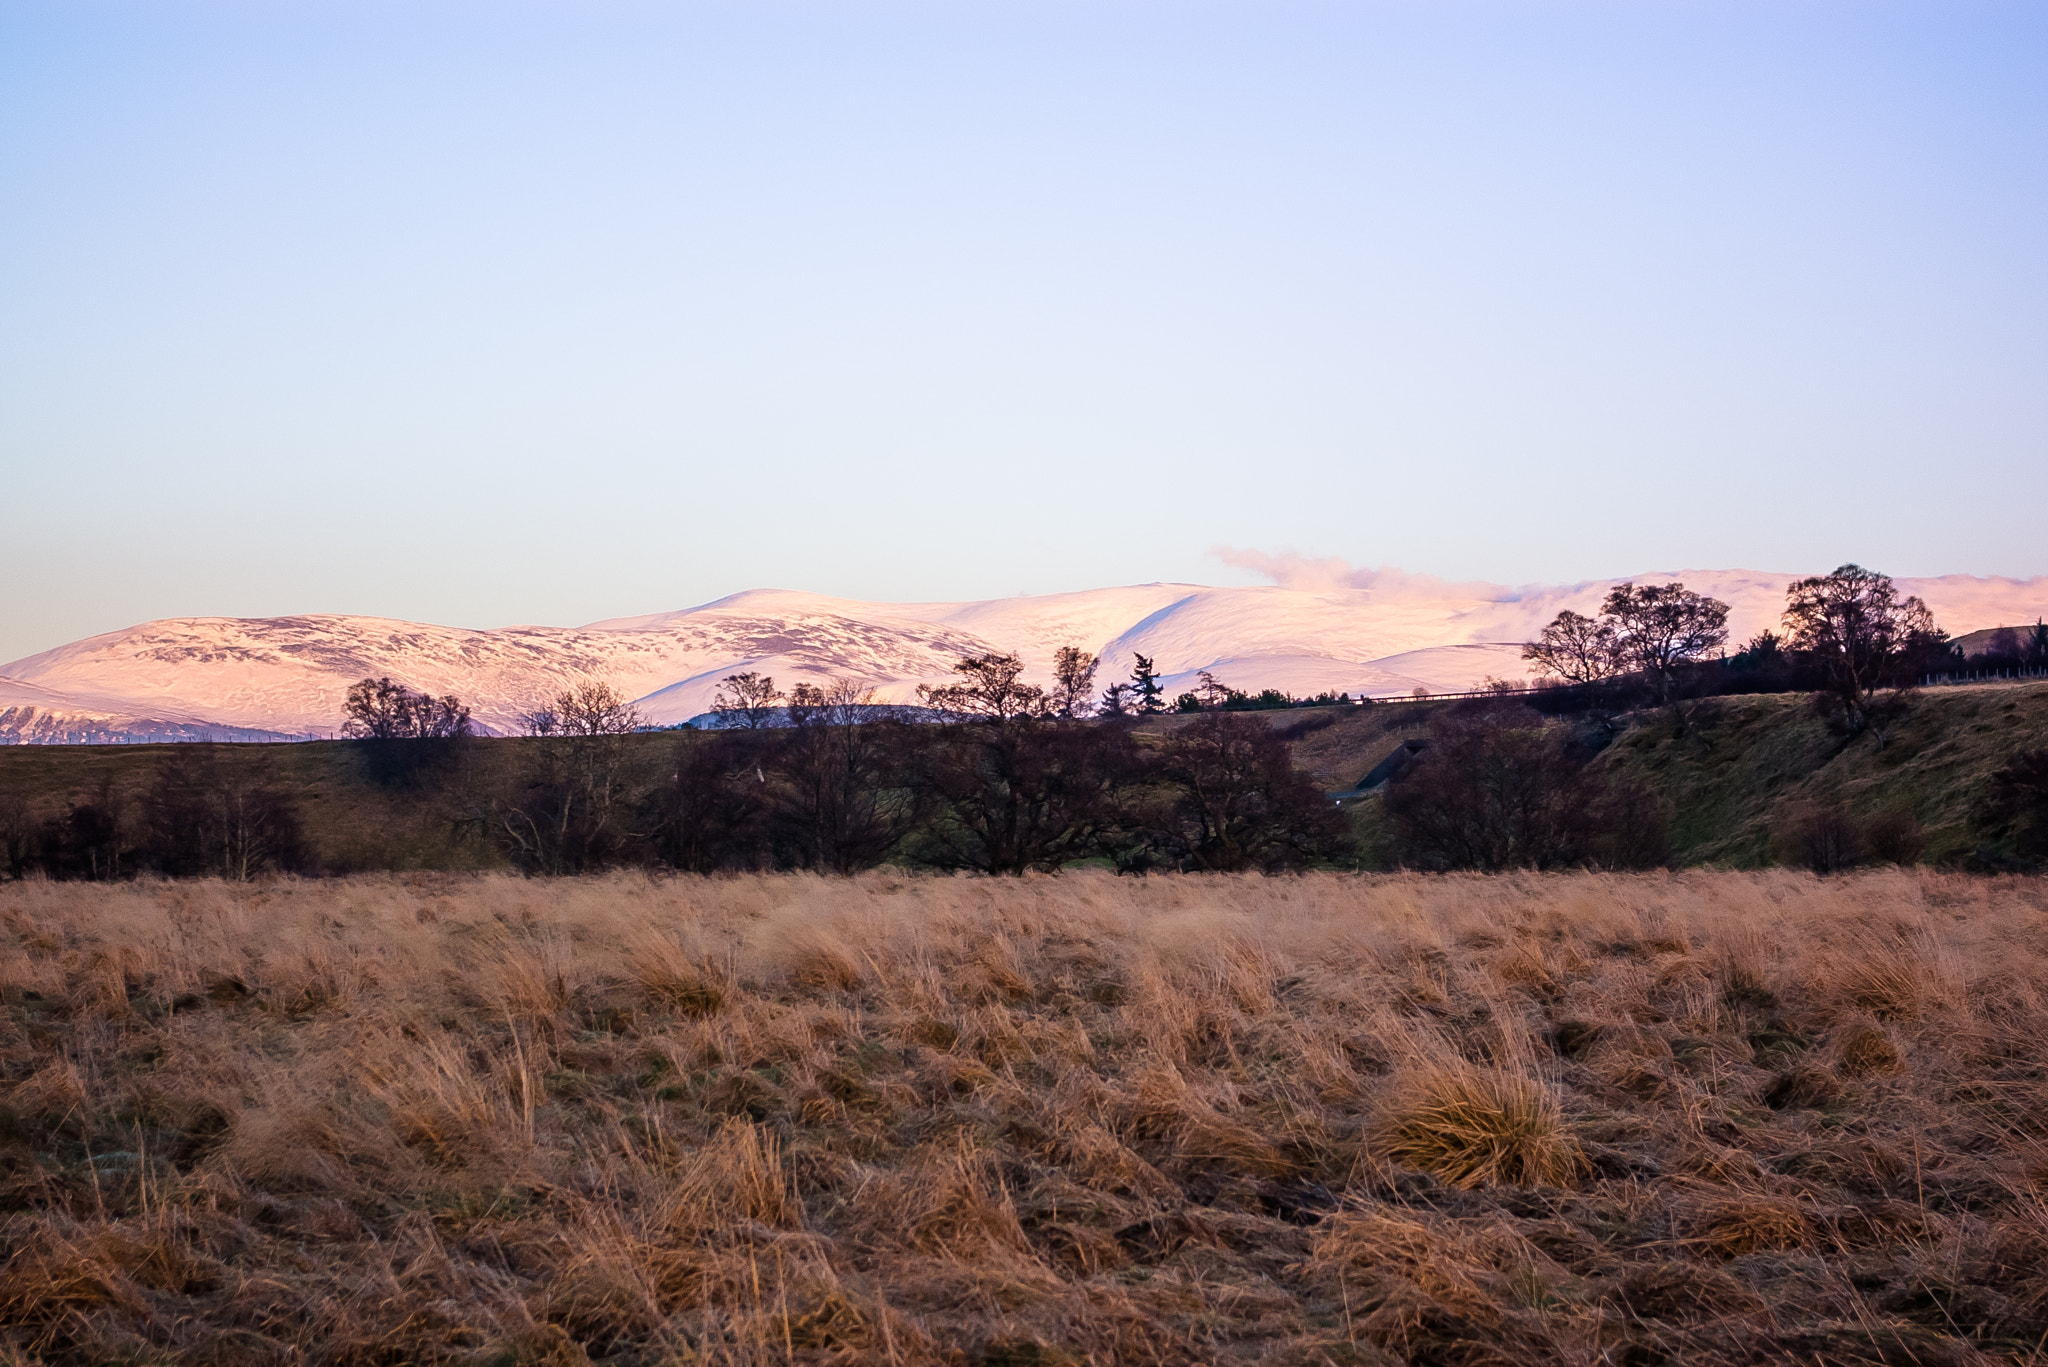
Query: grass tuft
<point>1476,1127</point>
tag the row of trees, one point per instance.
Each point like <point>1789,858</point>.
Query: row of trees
<point>205,812</point>
<point>998,789</point>
<point>990,686</point>
<point>1849,635</point>
<point>1009,779</point>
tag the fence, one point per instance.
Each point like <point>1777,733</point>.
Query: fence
<point>1981,676</point>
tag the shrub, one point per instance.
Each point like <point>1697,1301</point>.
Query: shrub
<point>1499,787</point>
<point>1895,837</point>
<point>2015,805</point>
<point>1233,800</point>
<point>1820,837</point>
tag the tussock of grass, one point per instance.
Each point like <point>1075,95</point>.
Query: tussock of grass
<point>1472,1127</point>
<point>1712,1119</point>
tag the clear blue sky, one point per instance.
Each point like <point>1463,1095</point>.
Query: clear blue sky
<point>491,312</point>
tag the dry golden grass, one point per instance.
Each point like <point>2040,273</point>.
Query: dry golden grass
<point>1700,1118</point>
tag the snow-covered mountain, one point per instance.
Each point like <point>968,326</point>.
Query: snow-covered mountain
<point>286,677</point>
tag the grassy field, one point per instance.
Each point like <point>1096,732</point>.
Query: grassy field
<point>1690,1118</point>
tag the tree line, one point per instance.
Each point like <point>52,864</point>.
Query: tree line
<point>996,775</point>
<point>1849,637</point>
<point>205,811</point>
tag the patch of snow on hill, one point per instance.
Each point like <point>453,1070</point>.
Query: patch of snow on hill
<point>1370,633</point>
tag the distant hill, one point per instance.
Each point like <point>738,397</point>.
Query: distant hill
<point>286,677</point>
<point>1977,642</point>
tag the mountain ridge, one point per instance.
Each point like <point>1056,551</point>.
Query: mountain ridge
<point>286,677</point>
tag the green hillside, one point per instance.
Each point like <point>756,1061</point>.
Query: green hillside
<point>1745,760</point>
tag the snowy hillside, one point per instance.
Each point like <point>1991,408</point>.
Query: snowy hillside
<point>262,678</point>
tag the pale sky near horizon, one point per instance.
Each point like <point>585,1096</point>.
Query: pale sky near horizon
<point>483,313</point>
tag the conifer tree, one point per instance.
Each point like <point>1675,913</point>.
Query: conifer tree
<point>1145,687</point>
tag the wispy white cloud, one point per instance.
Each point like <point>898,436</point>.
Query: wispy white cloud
<point>1321,574</point>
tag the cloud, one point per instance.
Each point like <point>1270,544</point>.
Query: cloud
<point>1323,574</point>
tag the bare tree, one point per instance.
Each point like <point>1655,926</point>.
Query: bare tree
<point>596,709</point>
<point>1662,628</point>
<point>211,811</point>
<point>572,802</point>
<point>1863,637</point>
<point>1575,648</point>
<point>380,709</point>
<point>1073,672</point>
<point>407,735</point>
<point>1036,794</point>
<point>1234,800</point>
<point>1498,788</point>
<point>992,689</point>
<point>837,804</point>
<point>18,824</point>
<point>749,699</point>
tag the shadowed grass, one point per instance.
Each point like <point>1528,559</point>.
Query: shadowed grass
<point>1714,1119</point>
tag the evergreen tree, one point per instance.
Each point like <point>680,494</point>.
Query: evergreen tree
<point>1145,687</point>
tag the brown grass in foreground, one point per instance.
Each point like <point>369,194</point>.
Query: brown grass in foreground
<point>1698,1118</point>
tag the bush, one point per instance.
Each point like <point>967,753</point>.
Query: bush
<point>1229,798</point>
<point>2014,807</point>
<point>1895,837</point>
<point>1820,837</point>
<point>1499,787</point>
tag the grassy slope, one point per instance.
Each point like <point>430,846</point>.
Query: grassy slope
<point>1745,759</point>
<point>1338,745</point>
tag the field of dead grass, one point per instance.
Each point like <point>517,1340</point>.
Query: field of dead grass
<point>1695,1118</point>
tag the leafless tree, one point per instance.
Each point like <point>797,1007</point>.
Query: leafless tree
<point>18,823</point>
<point>1575,648</point>
<point>596,708</point>
<point>1660,629</point>
<point>1035,794</point>
<point>1863,637</point>
<point>1073,672</point>
<point>748,699</point>
<point>836,803</point>
<point>380,709</point>
<point>213,811</point>
<point>1233,800</point>
<point>992,689</point>
<point>571,808</point>
<point>406,735</point>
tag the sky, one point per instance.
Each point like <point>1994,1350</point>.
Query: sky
<point>484,313</point>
